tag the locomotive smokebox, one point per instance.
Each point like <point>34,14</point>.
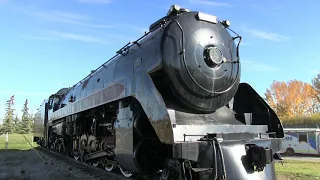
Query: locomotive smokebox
<point>201,60</point>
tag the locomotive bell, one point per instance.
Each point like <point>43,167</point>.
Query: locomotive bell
<point>176,9</point>
<point>173,8</point>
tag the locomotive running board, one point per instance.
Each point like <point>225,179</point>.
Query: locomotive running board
<point>232,132</point>
<point>95,155</point>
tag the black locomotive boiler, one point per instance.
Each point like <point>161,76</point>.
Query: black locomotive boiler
<point>170,103</point>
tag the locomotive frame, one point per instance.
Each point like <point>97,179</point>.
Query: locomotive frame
<point>140,107</point>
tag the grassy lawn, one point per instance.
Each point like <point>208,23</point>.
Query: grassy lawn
<point>291,169</point>
<point>297,169</point>
<point>17,141</point>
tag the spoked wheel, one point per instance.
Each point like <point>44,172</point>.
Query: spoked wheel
<point>76,157</point>
<point>109,167</point>
<point>125,172</point>
<point>95,163</point>
<point>61,148</point>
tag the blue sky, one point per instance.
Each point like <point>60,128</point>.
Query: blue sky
<point>46,45</point>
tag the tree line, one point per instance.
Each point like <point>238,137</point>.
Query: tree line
<point>295,102</point>
<point>12,123</point>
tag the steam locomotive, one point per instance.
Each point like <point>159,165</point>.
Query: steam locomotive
<point>169,103</point>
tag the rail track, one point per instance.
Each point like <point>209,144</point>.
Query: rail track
<point>96,172</point>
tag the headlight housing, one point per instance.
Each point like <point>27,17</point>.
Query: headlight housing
<point>213,56</point>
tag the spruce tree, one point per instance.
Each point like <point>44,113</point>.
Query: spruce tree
<point>32,122</point>
<point>316,86</point>
<point>26,122</point>
<point>8,118</point>
<point>16,124</point>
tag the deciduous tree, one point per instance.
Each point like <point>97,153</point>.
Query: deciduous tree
<point>291,98</point>
<point>276,96</point>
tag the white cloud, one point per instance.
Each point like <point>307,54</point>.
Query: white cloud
<point>70,18</point>
<point>210,3</point>
<point>78,37</point>
<point>91,25</point>
<point>60,16</point>
<point>257,66</point>
<point>265,35</point>
<point>95,1</point>
<point>38,38</point>
<point>314,71</point>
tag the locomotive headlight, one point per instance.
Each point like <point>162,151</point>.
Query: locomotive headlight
<point>213,56</point>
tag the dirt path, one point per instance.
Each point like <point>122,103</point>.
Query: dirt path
<point>27,165</point>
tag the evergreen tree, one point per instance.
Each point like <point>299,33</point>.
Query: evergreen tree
<point>16,124</point>
<point>32,123</point>
<point>1,129</point>
<point>8,118</point>
<point>26,122</point>
<point>316,86</point>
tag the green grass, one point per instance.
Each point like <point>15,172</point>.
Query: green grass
<point>297,169</point>
<point>17,141</point>
<point>291,169</point>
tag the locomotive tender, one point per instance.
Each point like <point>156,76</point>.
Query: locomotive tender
<point>170,102</point>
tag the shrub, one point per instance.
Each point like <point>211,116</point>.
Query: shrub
<point>301,119</point>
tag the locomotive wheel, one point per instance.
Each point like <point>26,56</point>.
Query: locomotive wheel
<point>76,157</point>
<point>81,154</point>
<point>83,140</point>
<point>109,167</point>
<point>52,147</point>
<point>95,163</point>
<point>92,143</point>
<point>125,172</point>
<point>61,147</point>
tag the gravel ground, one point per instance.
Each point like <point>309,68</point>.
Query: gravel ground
<point>17,164</point>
